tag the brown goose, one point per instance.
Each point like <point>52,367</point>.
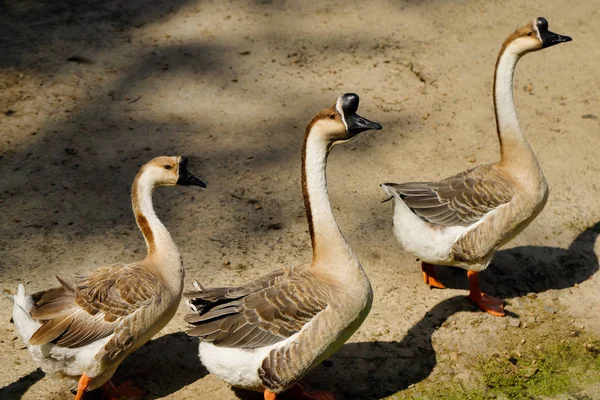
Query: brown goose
<point>82,330</point>
<point>266,334</point>
<point>464,219</point>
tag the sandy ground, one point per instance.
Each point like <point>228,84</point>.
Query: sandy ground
<point>91,90</point>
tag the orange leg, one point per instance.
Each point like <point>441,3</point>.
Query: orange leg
<point>430,277</point>
<point>126,390</point>
<point>270,395</point>
<point>82,385</point>
<point>485,302</point>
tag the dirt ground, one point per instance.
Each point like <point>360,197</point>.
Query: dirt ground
<point>91,90</point>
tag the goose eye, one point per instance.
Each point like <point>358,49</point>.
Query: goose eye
<point>529,33</point>
<point>168,166</point>
<point>332,115</point>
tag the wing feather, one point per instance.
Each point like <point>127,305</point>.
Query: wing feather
<point>50,330</point>
<point>459,200</point>
<point>260,313</point>
<point>74,315</point>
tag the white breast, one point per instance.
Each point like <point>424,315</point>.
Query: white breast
<point>430,244</point>
<point>238,367</point>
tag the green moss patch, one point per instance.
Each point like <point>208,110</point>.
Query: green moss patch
<point>550,367</point>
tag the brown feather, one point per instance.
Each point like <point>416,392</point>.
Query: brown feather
<point>52,303</point>
<point>50,330</point>
<point>95,307</point>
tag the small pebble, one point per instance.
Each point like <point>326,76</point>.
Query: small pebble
<point>549,310</point>
<point>514,322</point>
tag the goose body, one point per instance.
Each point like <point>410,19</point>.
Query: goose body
<point>266,334</point>
<point>462,220</point>
<point>453,233</point>
<point>83,329</point>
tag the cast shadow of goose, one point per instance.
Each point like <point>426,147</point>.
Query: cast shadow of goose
<point>17,389</point>
<point>521,270</point>
<point>163,366</point>
<point>374,370</point>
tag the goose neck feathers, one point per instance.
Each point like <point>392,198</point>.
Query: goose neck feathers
<point>514,148</point>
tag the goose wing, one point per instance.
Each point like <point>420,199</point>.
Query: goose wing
<point>260,313</point>
<point>459,200</point>
<point>111,300</point>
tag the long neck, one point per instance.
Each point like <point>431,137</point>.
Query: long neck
<point>513,145</point>
<point>324,232</point>
<point>161,247</point>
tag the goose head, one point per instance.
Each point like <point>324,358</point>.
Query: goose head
<point>170,171</point>
<point>340,123</point>
<point>534,36</point>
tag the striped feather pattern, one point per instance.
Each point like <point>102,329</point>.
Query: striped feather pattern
<point>111,299</point>
<point>459,200</point>
<point>260,313</point>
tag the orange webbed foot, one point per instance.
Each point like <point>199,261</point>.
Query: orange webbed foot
<point>489,304</point>
<point>429,276</point>
<point>484,302</point>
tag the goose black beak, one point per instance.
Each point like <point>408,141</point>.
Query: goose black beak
<point>551,38</point>
<point>347,105</point>
<point>357,124</point>
<point>186,178</point>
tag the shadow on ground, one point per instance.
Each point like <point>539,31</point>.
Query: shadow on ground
<point>36,27</point>
<point>521,270</point>
<point>374,370</point>
<point>163,366</point>
<point>176,355</point>
<point>17,389</point>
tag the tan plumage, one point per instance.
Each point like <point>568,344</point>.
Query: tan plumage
<point>462,220</point>
<point>86,326</point>
<point>124,296</point>
<point>268,333</point>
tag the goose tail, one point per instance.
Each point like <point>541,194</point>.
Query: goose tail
<point>25,325</point>
<point>391,191</point>
<point>192,296</point>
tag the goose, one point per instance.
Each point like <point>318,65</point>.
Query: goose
<point>83,329</point>
<point>462,220</point>
<point>266,334</point>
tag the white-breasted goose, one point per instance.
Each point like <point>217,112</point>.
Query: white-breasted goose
<point>266,334</point>
<point>462,220</point>
<point>82,330</point>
